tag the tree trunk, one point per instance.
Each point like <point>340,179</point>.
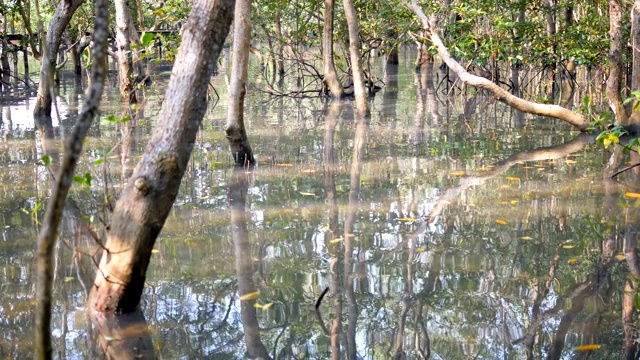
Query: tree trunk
<point>72,152</point>
<point>123,52</point>
<point>280,44</point>
<point>60,20</point>
<point>329,68</point>
<point>149,194</point>
<point>234,128</point>
<point>615,63</point>
<point>500,94</point>
<point>635,46</point>
<point>362,107</point>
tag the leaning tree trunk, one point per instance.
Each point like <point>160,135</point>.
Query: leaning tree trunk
<point>615,63</point>
<point>362,108</point>
<point>60,20</point>
<point>328,66</point>
<point>499,93</point>
<point>235,130</point>
<point>124,52</point>
<point>72,152</point>
<point>147,198</point>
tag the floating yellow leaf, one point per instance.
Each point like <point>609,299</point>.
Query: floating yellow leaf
<point>267,306</point>
<point>572,261</point>
<point>514,202</point>
<point>588,347</point>
<point>632,195</point>
<point>620,257</point>
<point>309,171</point>
<point>335,241</point>
<point>570,162</point>
<point>526,238</point>
<point>407,219</point>
<point>568,246</point>
<point>250,296</point>
<point>155,251</point>
<point>307,193</point>
<point>513,178</point>
<point>420,249</point>
<point>456,173</point>
<point>68,278</point>
<point>501,222</point>
<point>284,165</point>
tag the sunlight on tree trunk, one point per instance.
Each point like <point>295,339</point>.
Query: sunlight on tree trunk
<point>147,198</point>
<point>360,90</point>
<point>123,52</point>
<point>61,17</point>
<point>615,63</point>
<point>329,68</point>
<point>72,152</point>
<point>234,128</point>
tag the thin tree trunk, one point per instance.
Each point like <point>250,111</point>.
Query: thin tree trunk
<point>360,91</point>
<point>124,56</point>
<point>72,152</point>
<point>234,128</point>
<point>149,194</point>
<point>61,17</point>
<point>329,67</point>
<point>615,63</point>
<point>280,43</point>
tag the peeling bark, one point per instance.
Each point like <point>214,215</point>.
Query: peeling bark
<point>500,94</point>
<point>149,194</point>
<point>124,58</point>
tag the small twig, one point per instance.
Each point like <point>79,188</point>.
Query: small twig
<point>319,301</point>
<point>624,169</point>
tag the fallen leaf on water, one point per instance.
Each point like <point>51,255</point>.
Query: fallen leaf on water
<point>572,261</point>
<point>307,193</point>
<point>407,219</point>
<point>588,347</point>
<point>501,222</point>
<point>335,241</point>
<point>284,165</point>
<point>523,277</point>
<point>568,246</point>
<point>632,195</point>
<point>250,296</point>
<point>155,251</point>
<point>309,171</point>
<point>266,306</point>
<point>620,257</point>
<point>513,178</point>
<point>456,173</point>
<point>420,249</point>
<point>526,238</point>
<point>514,202</point>
<point>570,162</point>
<point>68,278</point>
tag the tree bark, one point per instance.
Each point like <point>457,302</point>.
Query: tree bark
<point>359,90</point>
<point>234,128</point>
<point>72,152</point>
<point>124,57</point>
<point>635,46</point>
<point>328,66</point>
<point>61,17</point>
<point>500,94</point>
<point>615,63</point>
<point>149,194</point>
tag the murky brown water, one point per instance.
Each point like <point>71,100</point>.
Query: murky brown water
<point>437,240</point>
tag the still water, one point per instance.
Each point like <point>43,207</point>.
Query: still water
<point>446,227</point>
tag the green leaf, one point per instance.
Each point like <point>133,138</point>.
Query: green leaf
<point>78,179</point>
<point>146,39</point>
<point>112,118</point>
<point>46,159</point>
<point>99,161</point>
